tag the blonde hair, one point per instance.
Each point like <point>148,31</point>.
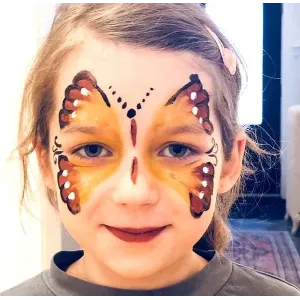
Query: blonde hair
<point>169,27</point>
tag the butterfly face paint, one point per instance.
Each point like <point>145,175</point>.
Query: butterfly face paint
<point>90,147</point>
<point>198,99</point>
<point>87,114</point>
<point>185,118</point>
<point>131,113</point>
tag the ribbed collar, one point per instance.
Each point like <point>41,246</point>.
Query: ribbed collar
<point>209,281</point>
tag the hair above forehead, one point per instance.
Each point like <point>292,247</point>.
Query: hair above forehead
<point>169,26</point>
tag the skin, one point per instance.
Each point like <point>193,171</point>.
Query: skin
<point>140,184</point>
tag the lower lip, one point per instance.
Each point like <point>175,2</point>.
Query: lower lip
<point>133,237</point>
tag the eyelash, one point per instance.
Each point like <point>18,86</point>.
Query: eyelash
<point>193,151</point>
<point>86,157</point>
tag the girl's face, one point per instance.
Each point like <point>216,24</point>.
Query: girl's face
<point>135,144</point>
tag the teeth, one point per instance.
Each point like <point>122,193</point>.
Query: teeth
<point>71,196</point>
<point>193,95</point>
<point>201,195</point>
<point>65,173</point>
<point>76,103</point>
<point>67,185</point>
<point>204,183</point>
<point>205,170</point>
<point>73,114</point>
<point>201,120</point>
<point>195,110</point>
<point>84,92</point>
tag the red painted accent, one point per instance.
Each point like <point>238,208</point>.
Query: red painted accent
<point>134,170</point>
<point>133,132</point>
<point>65,165</point>
<point>197,205</point>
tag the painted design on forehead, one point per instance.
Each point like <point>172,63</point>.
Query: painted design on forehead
<point>83,84</point>
<point>85,105</point>
<point>199,98</point>
<point>131,113</point>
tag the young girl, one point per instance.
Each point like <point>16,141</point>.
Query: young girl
<point>133,115</point>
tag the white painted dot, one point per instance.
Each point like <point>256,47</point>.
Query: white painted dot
<point>200,120</point>
<point>193,95</point>
<point>67,185</point>
<point>76,103</point>
<point>205,170</point>
<point>65,173</point>
<point>195,110</point>
<point>71,196</point>
<point>84,92</point>
<point>201,195</point>
<point>204,183</point>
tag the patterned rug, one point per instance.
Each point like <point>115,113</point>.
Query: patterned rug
<point>268,251</point>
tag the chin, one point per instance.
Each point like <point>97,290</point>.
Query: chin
<point>134,268</point>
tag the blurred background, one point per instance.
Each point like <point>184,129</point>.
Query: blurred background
<point>268,38</point>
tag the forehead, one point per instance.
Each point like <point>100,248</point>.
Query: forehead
<point>136,75</point>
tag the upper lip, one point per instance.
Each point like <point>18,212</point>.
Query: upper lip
<point>137,230</point>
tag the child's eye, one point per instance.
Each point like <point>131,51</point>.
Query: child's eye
<point>177,151</point>
<point>92,151</point>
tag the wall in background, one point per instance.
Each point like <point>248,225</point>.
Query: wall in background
<point>20,253</point>
<point>28,241</point>
<point>249,43</point>
<point>290,76</point>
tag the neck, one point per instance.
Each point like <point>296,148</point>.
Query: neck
<point>89,269</point>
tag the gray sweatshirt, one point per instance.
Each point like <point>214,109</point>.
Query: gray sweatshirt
<point>219,277</point>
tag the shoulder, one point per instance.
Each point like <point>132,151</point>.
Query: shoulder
<point>246,281</point>
<point>34,286</point>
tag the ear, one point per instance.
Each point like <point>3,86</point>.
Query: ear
<point>44,165</point>
<point>232,168</point>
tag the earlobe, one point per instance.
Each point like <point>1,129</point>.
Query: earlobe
<point>232,168</point>
<point>44,165</point>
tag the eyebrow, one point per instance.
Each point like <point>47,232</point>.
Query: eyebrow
<point>193,128</point>
<point>80,128</point>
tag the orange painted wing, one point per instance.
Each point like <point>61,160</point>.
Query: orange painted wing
<point>85,103</point>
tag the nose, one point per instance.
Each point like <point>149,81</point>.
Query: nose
<point>137,192</point>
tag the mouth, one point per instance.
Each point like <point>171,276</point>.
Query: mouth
<point>137,235</point>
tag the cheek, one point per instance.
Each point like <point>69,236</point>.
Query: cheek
<point>190,229</point>
<point>77,183</point>
<point>194,183</point>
